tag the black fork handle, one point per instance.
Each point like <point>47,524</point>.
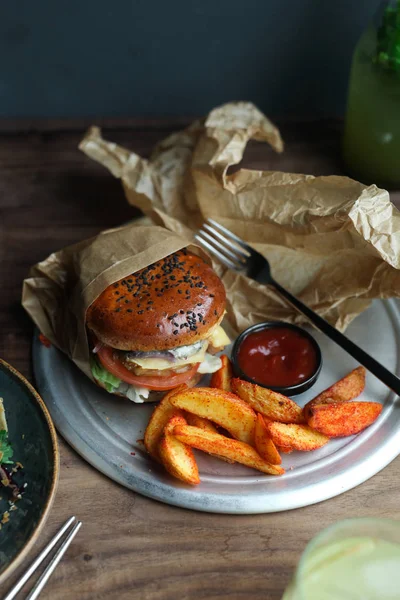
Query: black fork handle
<point>355,351</point>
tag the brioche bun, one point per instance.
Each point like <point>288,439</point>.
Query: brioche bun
<point>173,302</point>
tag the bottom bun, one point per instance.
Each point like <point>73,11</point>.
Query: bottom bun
<point>154,396</point>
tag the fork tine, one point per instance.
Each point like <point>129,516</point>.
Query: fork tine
<point>226,241</point>
<point>217,244</point>
<point>231,235</point>
<point>225,261</point>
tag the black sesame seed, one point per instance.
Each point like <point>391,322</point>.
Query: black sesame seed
<point>212,295</point>
<point>175,332</point>
<point>176,324</point>
<point>117,309</point>
<point>215,313</point>
<point>140,312</point>
<point>199,304</point>
<point>182,312</point>
<point>158,325</point>
<point>129,310</point>
<point>182,326</point>
<point>179,291</point>
<point>127,301</point>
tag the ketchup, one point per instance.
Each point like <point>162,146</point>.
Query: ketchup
<point>277,357</point>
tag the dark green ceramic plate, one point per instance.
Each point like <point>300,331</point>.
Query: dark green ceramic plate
<point>33,438</point>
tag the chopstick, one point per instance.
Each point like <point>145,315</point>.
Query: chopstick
<point>52,564</point>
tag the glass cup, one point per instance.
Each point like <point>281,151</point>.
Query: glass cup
<point>353,559</point>
<point>371,143</point>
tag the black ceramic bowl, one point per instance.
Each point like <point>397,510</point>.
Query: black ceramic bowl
<point>290,390</point>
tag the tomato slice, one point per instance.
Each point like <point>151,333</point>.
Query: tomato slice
<point>152,382</point>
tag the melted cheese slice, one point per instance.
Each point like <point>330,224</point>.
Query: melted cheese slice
<point>161,363</point>
<point>218,338</point>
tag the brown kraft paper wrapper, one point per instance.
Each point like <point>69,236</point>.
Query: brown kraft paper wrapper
<point>60,289</point>
<point>331,241</point>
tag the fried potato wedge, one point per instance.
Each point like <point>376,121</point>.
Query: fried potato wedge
<point>263,443</point>
<point>297,437</point>
<point>271,404</point>
<point>221,379</point>
<point>205,424</point>
<point>339,419</point>
<point>158,420</point>
<point>284,449</point>
<point>347,388</point>
<point>200,422</point>
<point>234,450</point>
<point>177,457</point>
<point>223,408</point>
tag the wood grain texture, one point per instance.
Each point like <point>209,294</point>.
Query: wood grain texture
<point>131,547</point>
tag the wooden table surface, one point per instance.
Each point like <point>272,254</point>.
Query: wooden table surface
<point>130,546</point>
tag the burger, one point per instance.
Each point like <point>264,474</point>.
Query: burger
<point>158,328</point>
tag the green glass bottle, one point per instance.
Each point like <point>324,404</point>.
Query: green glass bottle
<point>371,146</point>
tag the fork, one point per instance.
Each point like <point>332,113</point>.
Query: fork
<point>237,255</point>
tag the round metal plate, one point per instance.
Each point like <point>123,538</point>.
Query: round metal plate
<point>107,430</point>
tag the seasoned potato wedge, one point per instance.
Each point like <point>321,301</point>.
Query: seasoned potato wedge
<point>177,457</point>
<point>221,379</point>
<point>205,424</point>
<point>158,420</point>
<point>234,450</point>
<point>284,449</point>
<point>200,422</point>
<point>263,443</point>
<point>339,419</point>
<point>297,437</point>
<point>271,404</point>
<point>223,408</point>
<point>347,388</point>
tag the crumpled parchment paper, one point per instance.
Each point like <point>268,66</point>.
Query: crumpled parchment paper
<point>331,241</point>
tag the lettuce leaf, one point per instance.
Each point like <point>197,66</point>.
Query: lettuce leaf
<point>110,382</point>
<point>6,451</point>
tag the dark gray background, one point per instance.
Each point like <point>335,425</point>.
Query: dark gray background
<point>177,57</point>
